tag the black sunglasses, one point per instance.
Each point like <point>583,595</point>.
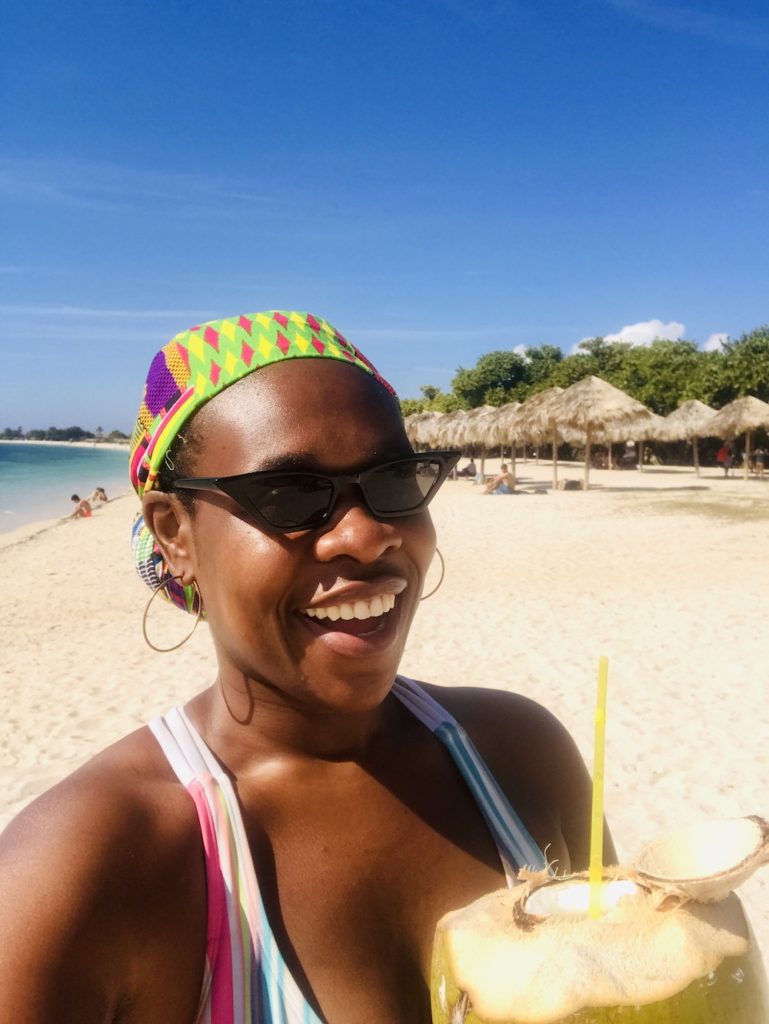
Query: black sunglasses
<point>287,501</point>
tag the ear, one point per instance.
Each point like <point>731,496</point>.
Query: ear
<point>170,523</point>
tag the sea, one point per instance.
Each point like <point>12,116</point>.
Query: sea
<point>38,480</point>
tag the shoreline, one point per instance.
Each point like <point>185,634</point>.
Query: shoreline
<point>89,443</point>
<point>28,531</point>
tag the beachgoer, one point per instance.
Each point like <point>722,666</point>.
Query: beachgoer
<point>99,494</point>
<point>468,470</point>
<point>503,483</point>
<point>82,509</point>
<point>281,848</point>
<point>759,462</point>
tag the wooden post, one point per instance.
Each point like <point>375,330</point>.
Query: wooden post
<point>696,454</point>
<point>610,457</point>
<point>640,456</point>
<point>586,484</point>
<point>747,453</point>
<point>555,460</point>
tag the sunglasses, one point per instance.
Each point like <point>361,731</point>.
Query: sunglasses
<point>286,501</point>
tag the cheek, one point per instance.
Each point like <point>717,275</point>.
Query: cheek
<point>241,571</point>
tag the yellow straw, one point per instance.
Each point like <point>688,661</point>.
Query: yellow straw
<point>596,824</point>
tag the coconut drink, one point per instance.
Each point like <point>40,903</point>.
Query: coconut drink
<point>671,942</point>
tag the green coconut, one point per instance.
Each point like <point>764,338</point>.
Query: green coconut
<point>657,954</point>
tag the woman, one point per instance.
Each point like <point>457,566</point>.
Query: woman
<point>281,848</point>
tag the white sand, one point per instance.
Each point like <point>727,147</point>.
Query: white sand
<point>664,573</point>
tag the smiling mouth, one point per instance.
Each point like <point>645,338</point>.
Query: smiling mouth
<point>355,618</point>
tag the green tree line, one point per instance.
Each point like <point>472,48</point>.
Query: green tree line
<point>661,375</point>
<point>61,434</point>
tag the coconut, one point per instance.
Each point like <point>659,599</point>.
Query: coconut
<point>706,862</point>
<point>656,954</point>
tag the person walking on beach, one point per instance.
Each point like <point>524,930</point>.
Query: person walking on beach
<point>280,848</point>
<point>82,508</point>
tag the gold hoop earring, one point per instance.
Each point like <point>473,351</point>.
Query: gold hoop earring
<point>440,578</point>
<point>155,592</point>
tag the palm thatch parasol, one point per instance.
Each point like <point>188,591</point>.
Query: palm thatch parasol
<point>742,416</point>
<point>447,429</point>
<point>640,430</point>
<point>532,422</point>
<point>422,427</point>
<point>593,404</point>
<point>471,429</point>
<point>689,422</point>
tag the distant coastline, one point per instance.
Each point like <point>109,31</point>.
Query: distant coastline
<point>113,446</point>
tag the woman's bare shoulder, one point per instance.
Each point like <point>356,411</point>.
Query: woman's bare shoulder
<point>534,759</point>
<point>126,790</point>
<point>101,859</point>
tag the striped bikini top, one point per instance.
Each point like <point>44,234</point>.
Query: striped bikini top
<point>246,980</point>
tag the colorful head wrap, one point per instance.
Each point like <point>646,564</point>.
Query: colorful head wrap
<point>190,370</point>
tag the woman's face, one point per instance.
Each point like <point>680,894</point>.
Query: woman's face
<point>258,587</point>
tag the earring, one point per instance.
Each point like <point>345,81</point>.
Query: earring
<point>155,592</point>
<point>440,579</point>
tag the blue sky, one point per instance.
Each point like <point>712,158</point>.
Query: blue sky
<point>439,178</point>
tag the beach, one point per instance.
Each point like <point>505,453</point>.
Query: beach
<point>663,572</point>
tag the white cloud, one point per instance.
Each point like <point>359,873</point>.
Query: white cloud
<point>715,342</point>
<point>647,331</point>
<point>521,350</point>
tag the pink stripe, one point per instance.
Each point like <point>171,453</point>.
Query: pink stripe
<point>185,397</point>
<point>218,945</point>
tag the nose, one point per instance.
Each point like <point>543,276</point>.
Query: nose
<point>353,531</point>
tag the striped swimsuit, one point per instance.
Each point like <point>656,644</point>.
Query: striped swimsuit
<point>246,980</point>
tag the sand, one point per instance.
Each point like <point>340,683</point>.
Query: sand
<point>663,572</point>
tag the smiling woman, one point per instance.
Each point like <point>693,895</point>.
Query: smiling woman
<point>281,848</point>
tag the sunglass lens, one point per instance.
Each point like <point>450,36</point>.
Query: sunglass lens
<point>291,501</point>
<point>402,487</point>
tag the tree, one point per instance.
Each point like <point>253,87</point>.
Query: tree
<point>746,364</point>
<point>543,362</point>
<point>495,376</point>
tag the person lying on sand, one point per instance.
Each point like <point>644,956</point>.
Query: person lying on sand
<point>99,494</point>
<point>281,847</point>
<point>82,508</point>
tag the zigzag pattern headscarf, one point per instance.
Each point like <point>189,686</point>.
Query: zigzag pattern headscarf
<point>189,371</point>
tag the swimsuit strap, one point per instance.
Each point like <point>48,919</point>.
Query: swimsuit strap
<point>246,980</point>
<point>516,847</point>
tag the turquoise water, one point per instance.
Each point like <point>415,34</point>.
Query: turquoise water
<point>37,480</point>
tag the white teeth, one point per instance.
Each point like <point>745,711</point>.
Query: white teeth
<point>379,605</point>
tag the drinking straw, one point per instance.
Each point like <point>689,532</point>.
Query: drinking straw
<point>596,823</point>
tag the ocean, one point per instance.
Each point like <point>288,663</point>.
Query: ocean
<point>37,480</point>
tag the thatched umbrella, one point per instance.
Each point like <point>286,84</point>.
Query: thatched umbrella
<point>422,427</point>
<point>689,422</point>
<point>742,416</point>
<point>470,429</point>
<point>640,430</point>
<point>534,422</point>
<point>448,428</point>
<point>493,430</point>
<point>591,405</point>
